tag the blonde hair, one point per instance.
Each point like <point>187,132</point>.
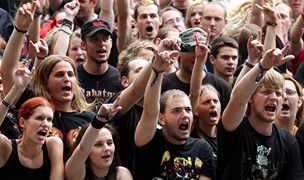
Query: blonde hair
<point>272,80</point>
<point>189,12</point>
<point>132,51</point>
<point>41,79</point>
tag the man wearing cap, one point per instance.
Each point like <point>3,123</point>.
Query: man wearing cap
<point>98,79</point>
<point>181,78</point>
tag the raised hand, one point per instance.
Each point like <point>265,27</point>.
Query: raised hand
<point>275,57</point>
<point>107,111</point>
<point>271,16</point>
<point>167,53</point>
<point>71,9</point>
<point>201,48</point>
<point>25,15</point>
<point>39,49</point>
<point>255,49</point>
<point>22,77</point>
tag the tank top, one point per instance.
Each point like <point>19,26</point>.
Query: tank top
<point>14,170</point>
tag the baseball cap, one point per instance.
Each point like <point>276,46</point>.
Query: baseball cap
<point>91,27</point>
<point>187,38</point>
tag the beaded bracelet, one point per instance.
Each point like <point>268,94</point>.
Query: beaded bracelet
<point>20,30</point>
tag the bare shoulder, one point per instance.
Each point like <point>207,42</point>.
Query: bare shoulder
<point>54,143</point>
<point>6,149</point>
<point>123,173</point>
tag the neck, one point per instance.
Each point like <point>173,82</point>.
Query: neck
<point>228,79</point>
<point>99,172</point>
<point>183,76</point>
<point>173,140</point>
<point>29,149</point>
<point>209,130</point>
<point>285,123</point>
<point>64,106</point>
<point>261,126</point>
<point>94,68</point>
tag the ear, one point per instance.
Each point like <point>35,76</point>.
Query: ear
<point>125,81</point>
<point>212,59</point>
<point>300,102</point>
<point>162,119</point>
<point>21,122</point>
<point>83,44</point>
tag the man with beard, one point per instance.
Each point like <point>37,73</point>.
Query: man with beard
<point>98,79</point>
<point>250,145</point>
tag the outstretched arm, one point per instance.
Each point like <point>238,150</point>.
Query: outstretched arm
<point>23,20</point>
<point>146,127</point>
<point>243,90</point>
<point>75,166</point>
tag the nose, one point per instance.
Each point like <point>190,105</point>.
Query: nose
<point>66,77</point>
<point>197,16</point>
<point>212,22</point>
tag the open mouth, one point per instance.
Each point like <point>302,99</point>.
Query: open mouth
<point>42,132</point>
<point>184,126</point>
<point>213,114</point>
<point>67,88</point>
<point>79,60</point>
<point>285,107</point>
<point>149,28</point>
<point>270,108</point>
<point>106,156</point>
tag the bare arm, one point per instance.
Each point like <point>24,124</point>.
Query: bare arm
<point>61,39</point>
<point>204,178</point>
<point>75,167</point>
<point>107,11</point>
<point>124,24</point>
<point>296,31</point>
<point>198,74</point>
<point>9,64</point>
<point>146,127</point>
<point>55,149</point>
<point>243,90</point>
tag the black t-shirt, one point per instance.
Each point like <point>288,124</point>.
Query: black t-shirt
<point>300,138</point>
<point>99,87</point>
<point>171,81</point>
<point>163,160</point>
<point>125,125</point>
<point>66,125</point>
<point>211,140</point>
<point>246,154</point>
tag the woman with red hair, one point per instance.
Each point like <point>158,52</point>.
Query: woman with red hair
<point>34,155</point>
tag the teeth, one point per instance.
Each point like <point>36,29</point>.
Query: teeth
<point>184,126</point>
<point>270,108</point>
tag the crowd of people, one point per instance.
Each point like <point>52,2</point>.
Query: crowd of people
<point>152,89</point>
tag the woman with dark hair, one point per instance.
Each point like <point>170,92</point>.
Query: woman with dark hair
<point>95,154</point>
<point>34,155</point>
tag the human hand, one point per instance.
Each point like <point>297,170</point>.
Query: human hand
<point>255,49</point>
<point>39,49</point>
<point>201,48</point>
<point>71,9</point>
<point>167,53</point>
<point>107,111</point>
<point>25,15</point>
<point>275,57</point>
<point>22,77</point>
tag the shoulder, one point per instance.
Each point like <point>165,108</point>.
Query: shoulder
<point>123,173</point>
<point>6,149</point>
<point>54,143</point>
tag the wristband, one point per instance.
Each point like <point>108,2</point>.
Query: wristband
<point>249,65</point>
<point>66,22</point>
<point>20,30</point>
<point>8,105</point>
<point>263,69</point>
<point>97,124</point>
<point>261,74</point>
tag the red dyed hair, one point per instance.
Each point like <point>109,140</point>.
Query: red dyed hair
<point>28,107</point>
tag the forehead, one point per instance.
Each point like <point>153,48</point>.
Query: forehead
<point>104,135</point>
<point>283,9</point>
<point>43,110</point>
<point>175,101</point>
<point>289,84</point>
<point>208,94</point>
<point>137,63</point>
<point>226,50</point>
<point>147,9</point>
<point>197,8</point>
<point>214,10</point>
<point>62,66</point>
<point>170,14</point>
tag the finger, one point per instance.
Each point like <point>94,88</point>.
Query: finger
<point>35,46</point>
<point>249,41</point>
<point>259,7</point>
<point>289,58</point>
<point>285,49</point>
<point>196,37</point>
<point>34,6</point>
